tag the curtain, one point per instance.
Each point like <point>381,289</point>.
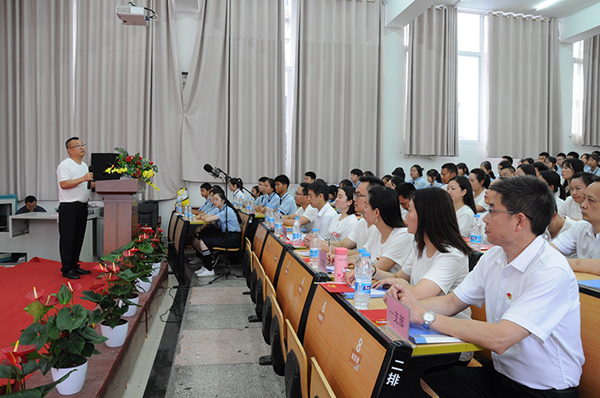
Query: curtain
<point>431,102</point>
<point>36,101</point>
<point>591,93</point>
<point>335,125</point>
<point>524,86</point>
<point>128,88</point>
<point>233,99</point>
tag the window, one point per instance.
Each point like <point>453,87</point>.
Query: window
<point>577,122</point>
<point>469,76</point>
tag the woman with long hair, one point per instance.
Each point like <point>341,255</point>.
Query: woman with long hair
<point>434,179</point>
<point>463,170</point>
<point>479,183</point>
<point>570,167</point>
<point>461,193</point>
<point>342,224</point>
<point>440,257</point>
<point>389,243</point>
<point>487,167</point>
<point>572,206</point>
<point>553,180</point>
<point>226,232</point>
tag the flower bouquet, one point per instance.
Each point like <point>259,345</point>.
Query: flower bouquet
<point>134,166</point>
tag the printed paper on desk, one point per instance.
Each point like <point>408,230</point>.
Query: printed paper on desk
<point>323,261</point>
<point>398,317</point>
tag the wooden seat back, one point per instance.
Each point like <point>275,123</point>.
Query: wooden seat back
<point>589,385</point>
<point>295,347</point>
<point>259,240</point>
<point>319,386</point>
<point>272,253</point>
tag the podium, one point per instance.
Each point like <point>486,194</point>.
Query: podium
<point>120,211</point>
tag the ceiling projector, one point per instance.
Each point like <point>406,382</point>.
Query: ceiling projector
<point>132,15</point>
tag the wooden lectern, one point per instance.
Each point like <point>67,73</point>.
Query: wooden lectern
<point>120,211</point>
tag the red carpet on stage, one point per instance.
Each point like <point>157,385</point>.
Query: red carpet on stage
<point>16,282</point>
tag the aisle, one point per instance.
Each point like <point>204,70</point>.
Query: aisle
<point>218,349</point>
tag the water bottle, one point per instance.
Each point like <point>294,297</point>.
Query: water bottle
<point>278,223</point>
<point>296,234</point>
<point>314,248</point>
<point>252,208</point>
<point>272,217</point>
<point>178,207</point>
<point>476,233</point>
<point>362,286</point>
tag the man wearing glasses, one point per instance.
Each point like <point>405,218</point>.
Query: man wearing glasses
<point>74,183</point>
<point>531,299</point>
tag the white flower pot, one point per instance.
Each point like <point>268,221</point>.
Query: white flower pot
<point>132,308</point>
<point>74,383</point>
<point>116,336</point>
<point>155,269</point>
<point>144,286</point>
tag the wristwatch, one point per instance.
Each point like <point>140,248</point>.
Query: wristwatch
<point>428,318</point>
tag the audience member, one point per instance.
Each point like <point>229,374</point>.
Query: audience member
<point>310,177</point>
<point>346,183</point>
<point>270,196</point>
<point>318,193</point>
<point>287,204</point>
<point>479,183</point>
<point>333,190</point>
<point>532,302</point>
<point>593,164</point>
<point>571,166</point>
<point>505,169</point>
<point>543,156</point>
<point>508,159</point>
<point>434,179</point>
<point>261,186</point>
<point>399,172</point>
<point>255,192</point>
<point>305,211</point>
<point>235,186</point>
<point>448,171</point>
<point>553,180</point>
<point>585,158</point>
<point>487,167</point>
<point>572,155</point>
<point>416,175</point>
<point>579,183</point>
<point>386,179</point>
<point>463,170</point>
<point>551,163</point>
<point>355,174</point>
<point>461,193</point>
<point>525,169</point>
<point>343,224</point>
<point>560,158</point>
<point>31,206</point>
<point>539,166</point>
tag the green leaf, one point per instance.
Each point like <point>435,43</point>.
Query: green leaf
<point>52,330</point>
<point>29,393</point>
<point>35,334</point>
<point>73,345</point>
<point>64,295</point>
<point>145,247</point>
<point>37,310</point>
<point>92,296</point>
<point>91,336</point>
<point>70,319</point>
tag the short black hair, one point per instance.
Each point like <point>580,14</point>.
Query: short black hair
<point>69,140</point>
<point>319,188</point>
<point>216,189</point>
<point>587,178</point>
<point>346,183</point>
<point>372,181</point>
<point>561,154</point>
<point>333,190</point>
<point>368,173</point>
<point>395,181</point>
<point>386,178</point>
<point>320,180</point>
<point>405,190</point>
<point>283,179</point>
<point>311,174</point>
<point>528,195</point>
<point>552,178</point>
<point>595,157</point>
<point>386,200</point>
<point>508,159</point>
<point>451,167</point>
<point>418,168</point>
<point>304,186</point>
<point>544,154</point>
<point>30,199</point>
<point>263,179</point>
<point>540,166</point>
<point>573,154</point>
<point>504,165</point>
<point>527,169</point>
<point>356,172</point>
<point>399,172</point>
<point>528,160</point>
<point>206,186</point>
<point>271,182</point>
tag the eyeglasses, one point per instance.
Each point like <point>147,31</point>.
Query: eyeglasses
<point>78,146</point>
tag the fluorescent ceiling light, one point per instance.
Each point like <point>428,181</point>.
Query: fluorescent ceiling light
<point>545,4</point>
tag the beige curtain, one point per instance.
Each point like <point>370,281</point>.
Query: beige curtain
<point>128,88</point>
<point>335,125</point>
<point>233,99</point>
<point>591,93</point>
<point>431,102</point>
<point>36,102</point>
<point>525,114</point>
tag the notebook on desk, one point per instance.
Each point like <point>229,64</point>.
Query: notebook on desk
<point>420,335</point>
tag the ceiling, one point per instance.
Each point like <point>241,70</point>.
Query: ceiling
<point>559,10</point>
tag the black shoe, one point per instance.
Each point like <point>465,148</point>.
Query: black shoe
<point>70,275</point>
<point>82,271</point>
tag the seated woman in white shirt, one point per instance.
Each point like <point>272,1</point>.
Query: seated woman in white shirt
<point>390,243</point>
<point>480,181</point>
<point>461,193</point>
<point>342,224</point>
<point>553,180</point>
<point>440,257</point>
<point>571,208</point>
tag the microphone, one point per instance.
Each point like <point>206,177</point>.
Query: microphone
<point>91,170</point>
<point>210,170</point>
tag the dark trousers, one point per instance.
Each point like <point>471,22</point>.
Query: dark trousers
<point>72,219</point>
<point>485,382</point>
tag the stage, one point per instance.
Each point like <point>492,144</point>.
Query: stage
<point>108,373</point>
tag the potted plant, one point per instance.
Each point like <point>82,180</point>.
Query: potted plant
<point>134,166</point>
<point>113,295</point>
<point>66,334</point>
<point>158,251</point>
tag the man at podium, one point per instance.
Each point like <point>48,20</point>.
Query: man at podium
<point>74,183</point>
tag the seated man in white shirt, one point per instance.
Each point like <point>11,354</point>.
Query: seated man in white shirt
<point>448,172</point>
<point>318,193</point>
<point>360,235</point>
<point>582,238</point>
<point>404,191</point>
<point>532,306</point>
<point>305,212</point>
